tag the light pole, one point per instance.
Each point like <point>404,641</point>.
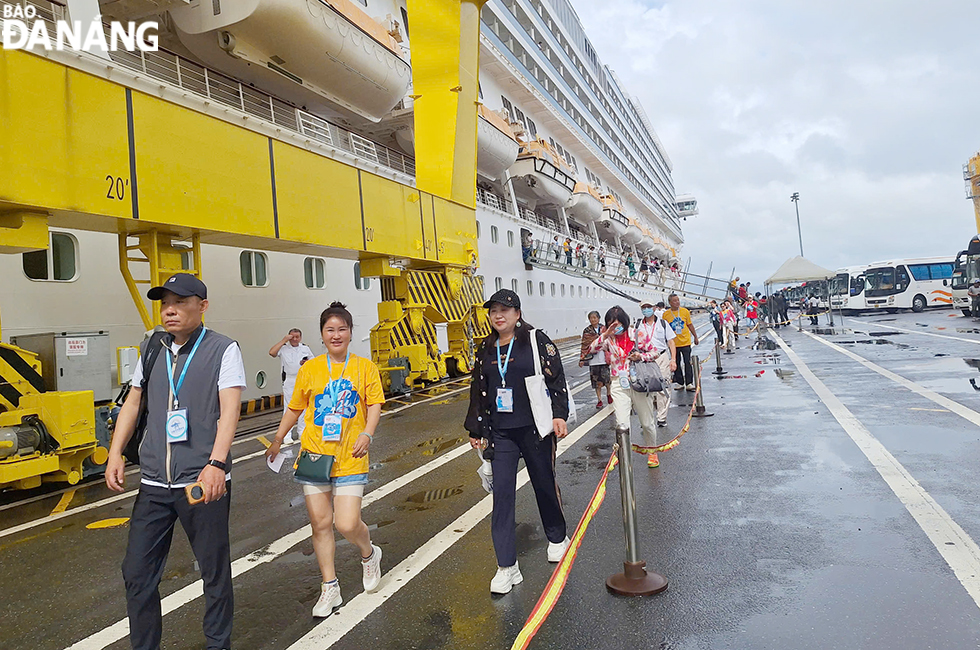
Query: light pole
<point>795,198</point>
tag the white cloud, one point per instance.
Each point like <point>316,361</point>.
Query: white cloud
<point>868,113</point>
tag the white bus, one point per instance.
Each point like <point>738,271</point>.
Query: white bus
<point>909,284</point>
<point>847,289</point>
<point>966,271</point>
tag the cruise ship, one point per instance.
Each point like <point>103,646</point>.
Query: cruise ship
<point>569,167</point>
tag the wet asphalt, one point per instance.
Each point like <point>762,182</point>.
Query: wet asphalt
<point>772,527</point>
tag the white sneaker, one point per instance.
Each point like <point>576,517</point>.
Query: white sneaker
<point>506,578</point>
<point>557,551</point>
<point>372,570</point>
<point>691,388</point>
<point>329,600</point>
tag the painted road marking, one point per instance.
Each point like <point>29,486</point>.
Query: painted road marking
<point>900,329</point>
<point>354,612</point>
<point>195,590</point>
<point>955,407</point>
<point>956,547</point>
<point>63,502</point>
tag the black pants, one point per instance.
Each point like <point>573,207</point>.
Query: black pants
<point>509,445</point>
<point>150,531</point>
<point>685,371</point>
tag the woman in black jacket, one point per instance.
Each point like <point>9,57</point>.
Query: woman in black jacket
<point>500,419</point>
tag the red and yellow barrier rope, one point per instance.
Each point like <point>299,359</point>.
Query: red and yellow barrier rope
<point>549,598</point>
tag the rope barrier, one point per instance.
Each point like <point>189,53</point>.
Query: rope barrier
<point>552,591</point>
<point>640,449</point>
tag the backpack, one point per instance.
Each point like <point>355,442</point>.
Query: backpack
<point>132,450</point>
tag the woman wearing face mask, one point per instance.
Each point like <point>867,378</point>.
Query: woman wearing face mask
<point>341,395</point>
<point>501,420</point>
<point>619,342</point>
<point>654,338</point>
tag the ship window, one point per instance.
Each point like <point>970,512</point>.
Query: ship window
<point>315,271</point>
<point>510,238</point>
<point>532,129</point>
<point>260,379</point>
<point>57,264</point>
<point>530,288</point>
<point>498,283</point>
<point>494,234</point>
<point>562,291</point>
<point>405,22</point>
<point>541,288</point>
<point>513,285</point>
<point>508,107</point>
<point>254,266</point>
<point>552,289</point>
<point>519,114</point>
<point>361,284</point>
<point>580,292</point>
<point>478,229</point>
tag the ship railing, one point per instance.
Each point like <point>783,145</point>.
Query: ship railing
<point>173,69</point>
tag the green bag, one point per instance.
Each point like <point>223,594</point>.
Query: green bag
<point>313,469</point>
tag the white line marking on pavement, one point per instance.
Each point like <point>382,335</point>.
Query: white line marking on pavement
<point>195,590</point>
<point>956,547</point>
<point>900,329</point>
<point>957,408</point>
<point>354,612</point>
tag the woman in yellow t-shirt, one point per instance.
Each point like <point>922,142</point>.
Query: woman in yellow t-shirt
<point>341,395</point>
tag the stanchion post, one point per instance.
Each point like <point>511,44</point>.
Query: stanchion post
<point>719,371</point>
<point>635,580</point>
<point>699,410</point>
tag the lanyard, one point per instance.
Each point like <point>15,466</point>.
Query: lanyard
<point>333,387</point>
<point>502,363</point>
<point>175,388</point>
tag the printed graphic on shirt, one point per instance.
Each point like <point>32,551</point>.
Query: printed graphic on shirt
<point>677,325</point>
<point>339,397</point>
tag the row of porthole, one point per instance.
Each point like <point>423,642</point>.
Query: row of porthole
<point>583,292</point>
<point>59,263</point>
<point>495,235</point>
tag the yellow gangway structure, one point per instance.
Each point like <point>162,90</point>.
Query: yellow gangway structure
<point>87,144</point>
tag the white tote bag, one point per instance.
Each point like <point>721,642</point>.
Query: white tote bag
<point>540,398</point>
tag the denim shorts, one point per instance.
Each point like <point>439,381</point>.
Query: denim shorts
<point>352,485</point>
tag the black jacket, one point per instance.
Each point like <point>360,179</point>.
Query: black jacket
<point>478,416</point>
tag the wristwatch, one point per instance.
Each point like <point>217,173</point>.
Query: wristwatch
<point>219,464</point>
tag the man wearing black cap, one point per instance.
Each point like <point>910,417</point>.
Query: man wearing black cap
<point>192,402</point>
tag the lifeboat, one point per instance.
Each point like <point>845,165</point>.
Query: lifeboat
<point>660,249</point>
<point>613,223</point>
<point>540,175</point>
<point>585,206</point>
<point>323,55</point>
<point>633,233</point>
<point>497,148</point>
<point>646,244</point>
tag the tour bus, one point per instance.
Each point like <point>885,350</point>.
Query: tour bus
<point>847,289</point>
<point>966,270</point>
<point>909,284</point>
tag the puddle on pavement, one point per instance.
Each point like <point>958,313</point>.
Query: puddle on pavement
<point>968,330</point>
<point>973,363</point>
<point>429,496</point>
<point>879,341</point>
<point>831,331</point>
<point>886,333</point>
<point>885,320</point>
<point>784,373</point>
<point>764,344</point>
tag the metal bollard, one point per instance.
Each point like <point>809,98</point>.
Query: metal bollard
<point>718,370</point>
<point>699,410</point>
<point>635,580</point>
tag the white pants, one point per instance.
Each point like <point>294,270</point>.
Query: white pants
<point>287,395</point>
<point>649,407</point>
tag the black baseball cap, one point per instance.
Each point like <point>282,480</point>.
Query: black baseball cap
<point>505,297</point>
<point>182,284</point>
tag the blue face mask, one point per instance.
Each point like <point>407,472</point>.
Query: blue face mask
<point>619,330</point>
<point>647,312</point>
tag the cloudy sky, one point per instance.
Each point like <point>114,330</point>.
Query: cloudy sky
<point>867,108</point>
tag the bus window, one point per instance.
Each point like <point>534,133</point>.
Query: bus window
<point>857,285</point>
<point>901,279</point>
<point>942,271</point>
<point>919,271</point>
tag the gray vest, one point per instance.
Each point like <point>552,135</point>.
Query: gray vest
<point>182,462</point>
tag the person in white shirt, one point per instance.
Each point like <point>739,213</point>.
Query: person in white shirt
<point>292,353</point>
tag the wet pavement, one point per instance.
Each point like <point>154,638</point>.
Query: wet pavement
<point>773,527</point>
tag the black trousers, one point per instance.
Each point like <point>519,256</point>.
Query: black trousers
<point>151,530</point>
<point>509,445</point>
<point>684,374</point>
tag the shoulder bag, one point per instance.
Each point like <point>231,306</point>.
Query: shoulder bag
<point>540,397</point>
<point>313,469</point>
<point>645,376</point>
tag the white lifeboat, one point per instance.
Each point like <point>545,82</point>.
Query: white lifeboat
<point>540,175</point>
<point>585,206</point>
<point>323,55</point>
<point>497,148</point>
<point>660,249</point>
<point>633,233</point>
<point>613,223</point>
<point>646,244</point>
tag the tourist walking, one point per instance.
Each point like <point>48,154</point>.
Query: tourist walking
<point>501,421</point>
<point>341,394</point>
<point>679,318</point>
<point>598,365</point>
<point>654,342</point>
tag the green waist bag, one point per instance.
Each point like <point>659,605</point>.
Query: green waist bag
<point>313,469</point>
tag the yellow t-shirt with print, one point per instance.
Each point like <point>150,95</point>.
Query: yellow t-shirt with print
<point>679,321</point>
<point>364,390</point>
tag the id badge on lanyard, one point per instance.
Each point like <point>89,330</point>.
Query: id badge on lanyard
<point>333,423</point>
<point>505,396</point>
<point>505,400</point>
<point>177,426</point>
<point>624,381</point>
